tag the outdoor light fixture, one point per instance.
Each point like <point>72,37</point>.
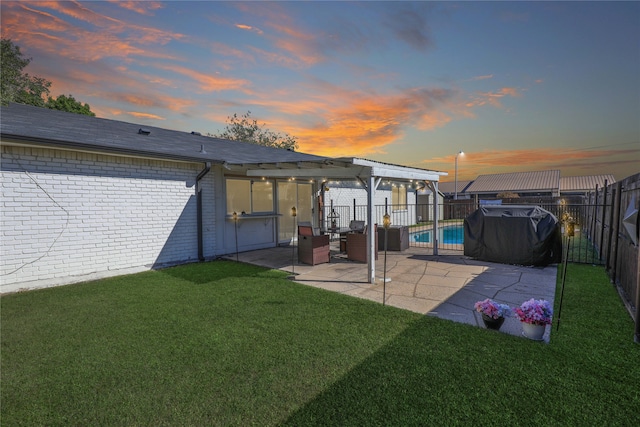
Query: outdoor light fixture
<point>569,231</point>
<point>570,227</point>
<point>386,223</point>
<point>234,216</point>
<point>294,213</point>
<point>455,197</point>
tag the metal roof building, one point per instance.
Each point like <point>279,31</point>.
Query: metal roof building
<point>583,184</point>
<point>448,188</point>
<point>523,183</point>
<point>540,182</point>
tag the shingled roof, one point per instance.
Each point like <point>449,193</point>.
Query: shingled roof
<point>25,123</point>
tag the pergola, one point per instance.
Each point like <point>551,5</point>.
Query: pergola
<point>369,173</point>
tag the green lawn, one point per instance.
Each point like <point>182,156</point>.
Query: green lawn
<point>223,343</point>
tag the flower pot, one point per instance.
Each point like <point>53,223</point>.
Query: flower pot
<point>492,323</point>
<point>534,332</point>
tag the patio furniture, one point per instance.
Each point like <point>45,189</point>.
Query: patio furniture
<point>397,238</point>
<point>312,249</point>
<point>357,245</point>
<point>354,227</point>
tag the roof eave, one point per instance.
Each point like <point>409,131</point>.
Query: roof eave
<point>19,140</point>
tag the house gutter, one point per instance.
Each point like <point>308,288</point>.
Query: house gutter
<point>203,172</point>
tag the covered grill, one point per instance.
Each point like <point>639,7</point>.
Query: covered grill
<point>513,234</point>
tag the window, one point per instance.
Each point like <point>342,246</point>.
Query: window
<point>249,196</point>
<point>398,197</point>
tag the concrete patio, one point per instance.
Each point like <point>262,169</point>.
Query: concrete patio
<point>446,286</point>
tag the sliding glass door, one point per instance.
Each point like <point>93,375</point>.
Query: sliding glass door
<point>290,194</point>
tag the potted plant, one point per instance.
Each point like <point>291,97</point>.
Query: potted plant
<point>493,313</point>
<point>534,315</point>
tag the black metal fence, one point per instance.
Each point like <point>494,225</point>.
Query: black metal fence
<point>583,248</point>
<point>606,229</point>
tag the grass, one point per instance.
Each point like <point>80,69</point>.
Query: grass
<point>223,343</point>
<point>581,249</point>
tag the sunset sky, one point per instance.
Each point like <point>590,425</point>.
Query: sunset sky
<point>518,86</point>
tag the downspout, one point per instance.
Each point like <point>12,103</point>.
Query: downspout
<point>203,172</point>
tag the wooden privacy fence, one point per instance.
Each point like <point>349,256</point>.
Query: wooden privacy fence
<point>613,226</point>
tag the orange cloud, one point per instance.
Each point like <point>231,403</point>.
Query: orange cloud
<point>276,58</point>
<point>206,82</point>
<point>140,115</point>
<point>223,49</point>
<point>480,99</point>
<point>333,121</point>
<point>570,160</point>
<point>143,8</point>
<point>60,38</point>
<point>249,28</point>
<point>149,101</point>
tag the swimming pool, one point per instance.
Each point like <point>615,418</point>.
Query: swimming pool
<point>451,234</point>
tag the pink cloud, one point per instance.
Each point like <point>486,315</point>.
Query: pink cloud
<point>143,8</point>
<point>207,82</point>
<point>140,115</point>
<point>249,28</point>
<point>39,29</point>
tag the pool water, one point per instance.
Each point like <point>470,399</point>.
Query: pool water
<point>452,234</point>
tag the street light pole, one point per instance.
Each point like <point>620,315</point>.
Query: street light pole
<point>455,197</point>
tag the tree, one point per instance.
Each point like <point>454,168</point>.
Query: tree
<point>16,85</point>
<point>69,103</point>
<point>248,130</point>
<point>508,195</point>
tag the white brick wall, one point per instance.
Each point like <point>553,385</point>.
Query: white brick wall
<point>68,215</point>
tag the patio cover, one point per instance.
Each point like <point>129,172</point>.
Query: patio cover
<point>369,173</point>
<point>513,234</point>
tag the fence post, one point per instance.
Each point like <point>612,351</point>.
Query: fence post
<point>637,335</point>
<point>592,232</point>
<point>604,211</point>
<point>612,265</point>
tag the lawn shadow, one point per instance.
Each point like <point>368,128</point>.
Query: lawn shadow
<point>211,271</point>
<point>428,374</point>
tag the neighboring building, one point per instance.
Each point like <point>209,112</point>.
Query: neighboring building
<point>541,183</point>
<point>448,189</point>
<point>526,184</point>
<point>85,197</point>
<point>349,201</point>
<point>581,185</point>
<point>425,199</point>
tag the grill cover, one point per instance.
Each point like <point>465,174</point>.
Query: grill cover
<point>513,234</point>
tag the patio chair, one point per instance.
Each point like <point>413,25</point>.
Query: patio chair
<point>357,245</point>
<point>354,227</point>
<point>312,248</point>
